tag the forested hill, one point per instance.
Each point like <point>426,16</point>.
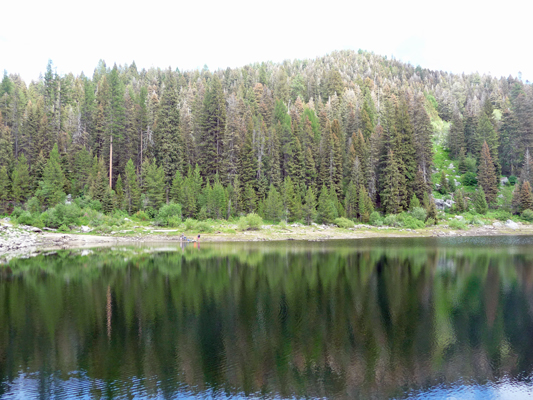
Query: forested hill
<point>351,127</point>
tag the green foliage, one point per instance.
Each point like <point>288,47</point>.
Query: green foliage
<point>469,179</point>
<point>33,205</point>
<point>419,213</point>
<point>251,222</point>
<point>62,214</point>
<point>392,220</point>
<point>480,202</point>
<point>169,214</point>
<point>375,219</point>
<point>512,180</point>
<point>457,224</point>
<point>527,215</point>
<point>344,223</point>
<point>415,203</point>
<point>430,222</point>
<point>51,187</point>
<point>203,227</point>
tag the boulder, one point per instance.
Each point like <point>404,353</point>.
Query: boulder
<point>451,166</point>
<point>69,199</point>
<point>497,224</point>
<point>85,229</point>
<point>504,180</point>
<point>443,204</point>
<point>511,224</point>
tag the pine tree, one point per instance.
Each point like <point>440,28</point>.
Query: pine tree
<point>247,159</point>
<point>327,212</point>
<point>167,135</point>
<point>213,125</point>
<point>487,175</point>
<point>527,168</point>
<point>456,140</point>
<point>392,179</point>
<point>366,206</point>
<point>273,206</point>
<point>351,201</point>
<point>5,189</point>
<point>20,180</point>
<point>176,190</point>
<point>515,202</point>
<point>443,182</point>
<point>414,203</point>
<point>460,201</point>
<point>153,187</point>
<point>526,199</point>
<point>250,199</point>
<point>462,161</point>
<point>99,180</point>
<point>309,207</point>
<point>51,187</point>
<point>485,132</point>
<point>131,188</point>
<point>480,201</point>
<point>119,194</point>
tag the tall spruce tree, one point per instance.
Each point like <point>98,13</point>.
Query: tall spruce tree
<point>51,187</point>
<point>20,180</point>
<point>487,175</point>
<point>392,180</point>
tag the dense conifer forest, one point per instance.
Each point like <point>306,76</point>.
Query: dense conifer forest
<point>343,135</point>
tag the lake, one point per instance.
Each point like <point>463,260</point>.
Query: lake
<point>356,319</point>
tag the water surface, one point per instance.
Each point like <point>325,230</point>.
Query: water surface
<point>380,318</point>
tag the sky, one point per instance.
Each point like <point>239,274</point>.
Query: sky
<point>456,36</point>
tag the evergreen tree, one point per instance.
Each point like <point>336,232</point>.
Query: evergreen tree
<point>444,187</point>
<point>460,201</point>
<point>366,206</point>
<point>153,187</point>
<point>487,175</point>
<point>119,194</point>
<point>309,207</point>
<point>20,180</point>
<point>250,199</point>
<point>392,179</point>
<point>480,201</point>
<point>5,189</point>
<point>485,132</point>
<point>327,212</point>
<point>414,203</point>
<point>213,124</point>
<point>526,199</point>
<point>167,136</point>
<point>456,137</point>
<point>99,180</point>
<point>131,188</point>
<point>351,201</point>
<point>51,187</point>
<point>176,191</point>
<point>462,166</point>
<point>515,202</point>
<point>527,168</point>
<point>273,206</point>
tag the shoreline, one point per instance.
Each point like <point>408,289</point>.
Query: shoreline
<point>24,240</point>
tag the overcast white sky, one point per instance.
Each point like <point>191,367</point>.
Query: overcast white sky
<point>455,35</point>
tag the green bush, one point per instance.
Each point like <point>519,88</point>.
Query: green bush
<point>419,213</point>
<point>167,212</point>
<point>190,224</point>
<point>62,214</point>
<point>203,226</point>
<point>17,212</point>
<point>141,216</point>
<point>430,222</point>
<point>469,179</point>
<point>27,218</point>
<point>392,220</point>
<point>410,222</point>
<point>63,228</point>
<point>500,215</point>
<point>33,205</point>
<point>375,219</point>
<point>251,222</point>
<point>476,221</point>
<point>527,215</point>
<point>512,180</point>
<point>344,223</point>
<point>457,224</point>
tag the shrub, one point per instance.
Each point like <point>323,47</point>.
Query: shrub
<point>501,215</point>
<point>203,226</point>
<point>430,222</point>
<point>63,228</point>
<point>527,215</point>
<point>375,219</point>
<point>26,218</point>
<point>419,213</point>
<point>33,205</point>
<point>251,222</point>
<point>167,212</point>
<point>469,179</point>
<point>190,224</point>
<point>457,224</point>
<point>141,216</point>
<point>62,214</point>
<point>344,223</point>
<point>476,221</point>
<point>392,220</point>
<point>512,180</point>
<point>17,212</point>
<point>412,223</point>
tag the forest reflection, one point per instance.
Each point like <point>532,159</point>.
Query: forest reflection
<point>341,319</point>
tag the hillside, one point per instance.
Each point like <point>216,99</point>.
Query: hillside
<point>342,135</point>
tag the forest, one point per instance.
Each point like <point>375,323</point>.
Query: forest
<point>351,134</point>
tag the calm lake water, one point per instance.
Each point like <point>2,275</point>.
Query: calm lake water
<point>365,319</point>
